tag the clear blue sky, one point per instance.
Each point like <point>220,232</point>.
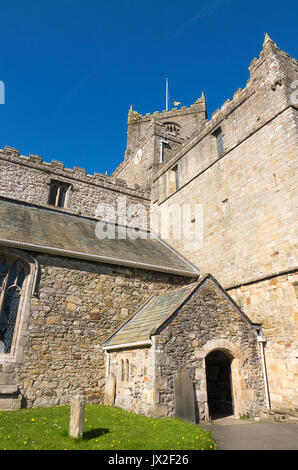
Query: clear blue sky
<point>72,68</point>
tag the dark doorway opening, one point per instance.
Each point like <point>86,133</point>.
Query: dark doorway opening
<point>219,390</point>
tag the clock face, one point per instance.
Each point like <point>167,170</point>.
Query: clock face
<point>138,157</point>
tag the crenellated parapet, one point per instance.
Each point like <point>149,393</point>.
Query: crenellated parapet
<point>267,94</point>
<point>199,106</point>
<point>56,168</point>
<point>270,47</point>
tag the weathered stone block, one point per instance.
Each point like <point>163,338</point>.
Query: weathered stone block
<point>77,414</point>
<point>10,403</point>
<point>184,398</point>
<point>110,390</point>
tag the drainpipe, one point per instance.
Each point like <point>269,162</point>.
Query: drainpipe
<point>108,358</point>
<point>262,341</point>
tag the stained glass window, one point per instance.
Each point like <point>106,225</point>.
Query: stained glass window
<point>12,276</point>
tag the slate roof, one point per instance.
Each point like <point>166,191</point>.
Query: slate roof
<point>40,229</point>
<point>159,311</point>
<point>151,316</point>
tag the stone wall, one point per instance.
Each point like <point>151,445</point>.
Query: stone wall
<point>247,200</point>
<point>273,302</point>
<point>79,305</point>
<point>247,196</point>
<point>134,390</point>
<point>209,322</point>
<point>145,157</point>
<point>28,179</point>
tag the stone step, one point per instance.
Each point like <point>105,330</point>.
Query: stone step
<point>6,378</point>
<point>8,390</point>
<point>9,403</point>
<point>10,399</point>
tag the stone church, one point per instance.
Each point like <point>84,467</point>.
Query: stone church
<point>179,269</point>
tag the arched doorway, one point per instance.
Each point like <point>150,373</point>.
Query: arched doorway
<point>219,387</point>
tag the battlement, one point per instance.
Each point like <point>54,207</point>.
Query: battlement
<point>198,106</point>
<point>56,167</point>
<point>267,93</point>
<point>270,46</point>
<point>241,95</point>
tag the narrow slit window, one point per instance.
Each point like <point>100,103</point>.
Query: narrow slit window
<point>175,170</point>
<point>127,369</point>
<point>219,141</point>
<point>122,369</point>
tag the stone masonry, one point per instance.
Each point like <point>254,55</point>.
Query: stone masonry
<point>29,178</point>
<point>247,195</point>
<point>248,208</point>
<point>208,322</point>
<point>78,305</point>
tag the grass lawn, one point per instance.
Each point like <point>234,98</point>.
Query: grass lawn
<point>105,428</point>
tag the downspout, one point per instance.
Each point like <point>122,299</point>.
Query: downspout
<point>262,341</point>
<point>108,359</point>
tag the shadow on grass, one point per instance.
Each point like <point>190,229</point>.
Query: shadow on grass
<point>95,433</point>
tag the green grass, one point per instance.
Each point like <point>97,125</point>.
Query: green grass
<point>105,428</point>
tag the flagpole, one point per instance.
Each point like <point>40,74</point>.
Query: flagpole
<point>167,95</point>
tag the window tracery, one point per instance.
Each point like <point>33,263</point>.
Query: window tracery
<point>13,273</point>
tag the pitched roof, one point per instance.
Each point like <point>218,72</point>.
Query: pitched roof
<point>50,231</point>
<point>159,310</point>
<point>151,316</point>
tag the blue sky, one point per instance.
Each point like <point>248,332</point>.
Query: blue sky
<point>72,68</point>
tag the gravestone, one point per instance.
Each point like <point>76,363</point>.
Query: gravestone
<point>77,413</point>
<point>184,398</point>
<point>110,390</point>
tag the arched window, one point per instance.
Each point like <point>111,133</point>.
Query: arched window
<point>13,273</point>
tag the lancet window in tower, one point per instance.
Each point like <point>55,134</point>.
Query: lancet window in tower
<point>12,279</point>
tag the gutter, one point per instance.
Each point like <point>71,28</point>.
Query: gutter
<point>97,258</point>
<point>147,342</point>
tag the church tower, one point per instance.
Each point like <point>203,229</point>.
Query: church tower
<point>154,138</point>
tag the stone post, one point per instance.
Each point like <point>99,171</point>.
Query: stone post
<point>77,413</point>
